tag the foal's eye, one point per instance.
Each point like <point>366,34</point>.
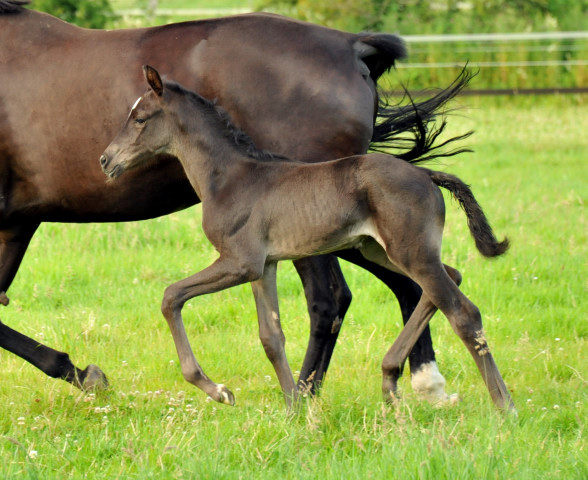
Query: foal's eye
<point>140,120</point>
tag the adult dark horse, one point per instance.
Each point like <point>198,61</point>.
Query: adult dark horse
<point>65,89</point>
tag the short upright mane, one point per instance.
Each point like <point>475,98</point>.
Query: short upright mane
<point>240,138</point>
<point>12,6</point>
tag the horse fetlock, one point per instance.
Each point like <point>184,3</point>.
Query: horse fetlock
<point>391,397</point>
<point>390,388</point>
<point>306,386</point>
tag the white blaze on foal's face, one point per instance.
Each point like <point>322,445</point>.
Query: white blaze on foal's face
<point>134,106</point>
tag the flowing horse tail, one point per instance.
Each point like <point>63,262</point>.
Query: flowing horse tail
<point>481,231</point>
<point>408,130</point>
<point>12,6</point>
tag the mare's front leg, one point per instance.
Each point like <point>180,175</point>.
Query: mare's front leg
<point>328,299</point>
<point>225,272</point>
<point>270,330</point>
<point>56,364</point>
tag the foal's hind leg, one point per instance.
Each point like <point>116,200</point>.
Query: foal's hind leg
<point>466,321</point>
<point>396,356</point>
<point>426,380</point>
<point>270,331</point>
<point>433,390</point>
<point>224,273</point>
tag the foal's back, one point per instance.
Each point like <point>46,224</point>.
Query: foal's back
<point>308,209</point>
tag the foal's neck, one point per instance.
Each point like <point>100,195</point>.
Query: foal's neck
<point>210,147</point>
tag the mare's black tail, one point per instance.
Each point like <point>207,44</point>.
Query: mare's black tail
<point>484,237</point>
<point>411,128</point>
<point>12,6</point>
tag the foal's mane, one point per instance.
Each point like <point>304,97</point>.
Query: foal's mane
<point>226,126</point>
<point>12,6</point>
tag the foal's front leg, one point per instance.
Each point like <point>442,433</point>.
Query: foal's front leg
<point>224,273</point>
<point>270,331</point>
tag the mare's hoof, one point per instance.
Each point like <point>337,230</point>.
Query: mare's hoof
<point>4,300</point>
<point>223,395</point>
<point>444,400</point>
<point>429,385</point>
<point>93,379</point>
<point>438,398</point>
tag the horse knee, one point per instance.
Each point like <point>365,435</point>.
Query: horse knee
<point>59,366</point>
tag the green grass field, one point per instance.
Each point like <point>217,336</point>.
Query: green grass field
<point>95,290</point>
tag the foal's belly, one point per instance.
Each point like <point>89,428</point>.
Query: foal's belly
<point>296,236</point>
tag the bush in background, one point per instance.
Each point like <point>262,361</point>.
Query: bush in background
<point>85,13</point>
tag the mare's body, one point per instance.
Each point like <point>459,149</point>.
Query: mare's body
<point>389,210</point>
<point>66,89</point>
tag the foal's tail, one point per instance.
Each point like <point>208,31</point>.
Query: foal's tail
<point>484,237</point>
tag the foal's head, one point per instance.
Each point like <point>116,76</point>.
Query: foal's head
<point>147,132</point>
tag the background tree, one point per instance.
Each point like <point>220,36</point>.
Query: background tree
<point>352,15</point>
<point>441,16</point>
<point>85,13</point>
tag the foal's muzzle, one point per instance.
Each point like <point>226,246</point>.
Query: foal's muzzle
<point>112,172</point>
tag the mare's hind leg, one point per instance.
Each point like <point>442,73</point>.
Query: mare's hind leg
<point>426,380</point>
<point>13,245</point>
<point>225,272</point>
<point>270,331</point>
<point>328,299</point>
<point>466,321</point>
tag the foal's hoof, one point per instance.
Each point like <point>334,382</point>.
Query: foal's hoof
<point>390,397</point>
<point>93,379</point>
<point>223,395</point>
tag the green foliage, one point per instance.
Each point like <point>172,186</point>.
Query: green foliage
<point>346,14</point>
<point>443,16</point>
<point>85,13</point>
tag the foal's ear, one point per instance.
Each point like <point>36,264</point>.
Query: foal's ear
<point>153,79</point>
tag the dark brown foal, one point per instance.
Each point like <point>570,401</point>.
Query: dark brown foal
<point>391,211</point>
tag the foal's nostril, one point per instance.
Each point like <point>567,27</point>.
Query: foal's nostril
<point>103,161</point>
